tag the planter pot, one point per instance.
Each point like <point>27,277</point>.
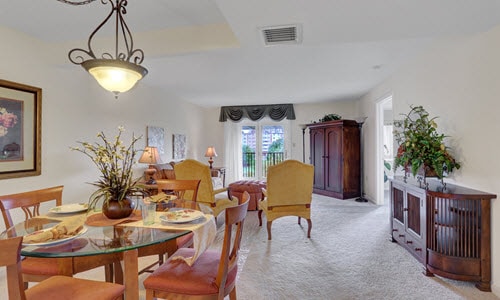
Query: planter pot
<point>114,209</point>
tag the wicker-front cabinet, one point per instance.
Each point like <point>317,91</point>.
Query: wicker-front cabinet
<point>335,154</point>
<point>447,228</point>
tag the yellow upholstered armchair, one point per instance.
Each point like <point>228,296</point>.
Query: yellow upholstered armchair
<point>217,199</point>
<point>288,193</point>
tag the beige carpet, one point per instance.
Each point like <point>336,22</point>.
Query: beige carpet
<point>349,256</point>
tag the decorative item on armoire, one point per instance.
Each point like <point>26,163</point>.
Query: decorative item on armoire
<point>331,117</point>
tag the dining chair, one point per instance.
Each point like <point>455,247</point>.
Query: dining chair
<point>216,199</point>
<point>213,274</point>
<point>179,187</point>
<point>53,288</point>
<point>35,269</point>
<point>288,193</point>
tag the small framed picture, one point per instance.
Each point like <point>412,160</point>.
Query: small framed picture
<point>156,138</point>
<point>179,146</point>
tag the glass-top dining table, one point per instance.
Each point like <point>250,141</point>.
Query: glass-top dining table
<point>123,238</point>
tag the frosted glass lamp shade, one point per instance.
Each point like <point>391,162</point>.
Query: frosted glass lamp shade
<point>115,75</point>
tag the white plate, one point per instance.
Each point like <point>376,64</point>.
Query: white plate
<point>182,216</point>
<point>55,242</point>
<point>69,208</point>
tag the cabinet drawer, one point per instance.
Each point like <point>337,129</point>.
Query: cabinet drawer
<point>416,248</point>
<point>398,232</point>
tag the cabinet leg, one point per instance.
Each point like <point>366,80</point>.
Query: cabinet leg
<point>483,286</point>
<point>427,272</point>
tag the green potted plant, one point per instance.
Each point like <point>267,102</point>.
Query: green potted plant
<point>421,147</point>
<point>115,186</point>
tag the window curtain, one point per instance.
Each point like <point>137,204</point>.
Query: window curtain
<point>232,150</point>
<point>276,112</point>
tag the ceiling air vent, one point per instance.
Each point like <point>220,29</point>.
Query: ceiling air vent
<point>287,34</point>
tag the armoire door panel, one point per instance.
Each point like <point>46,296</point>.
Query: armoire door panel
<point>333,138</point>
<point>317,157</point>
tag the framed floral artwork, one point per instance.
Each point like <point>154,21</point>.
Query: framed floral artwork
<point>20,130</point>
<point>179,146</point>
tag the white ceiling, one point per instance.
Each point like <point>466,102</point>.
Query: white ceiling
<point>211,53</point>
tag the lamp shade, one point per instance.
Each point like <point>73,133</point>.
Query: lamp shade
<point>211,152</point>
<point>114,75</point>
<point>150,156</point>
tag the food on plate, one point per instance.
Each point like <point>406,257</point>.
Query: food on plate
<point>66,228</point>
<point>179,214</point>
<point>160,197</point>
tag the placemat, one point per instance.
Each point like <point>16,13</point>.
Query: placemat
<point>99,219</point>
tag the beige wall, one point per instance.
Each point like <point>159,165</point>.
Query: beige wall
<point>75,108</point>
<point>456,80</point>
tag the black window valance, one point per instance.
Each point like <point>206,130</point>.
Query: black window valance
<point>276,112</point>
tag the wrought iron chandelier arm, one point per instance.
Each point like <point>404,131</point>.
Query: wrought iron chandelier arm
<point>77,2</point>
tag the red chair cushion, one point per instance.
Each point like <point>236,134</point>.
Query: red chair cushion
<point>176,276</point>
<point>185,241</point>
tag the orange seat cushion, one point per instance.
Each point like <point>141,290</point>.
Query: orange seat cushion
<point>175,276</point>
<point>63,288</point>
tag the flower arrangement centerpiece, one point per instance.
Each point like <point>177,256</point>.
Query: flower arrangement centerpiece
<point>116,184</point>
<point>421,146</point>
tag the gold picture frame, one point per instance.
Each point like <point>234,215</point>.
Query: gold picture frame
<point>20,130</point>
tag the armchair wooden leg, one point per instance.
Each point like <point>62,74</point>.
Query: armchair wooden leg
<point>309,225</point>
<point>260,217</point>
<point>269,229</point>
<point>298,221</point>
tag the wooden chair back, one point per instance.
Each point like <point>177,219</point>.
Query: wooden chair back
<point>235,216</point>
<point>29,202</point>
<point>10,258</point>
<point>179,187</point>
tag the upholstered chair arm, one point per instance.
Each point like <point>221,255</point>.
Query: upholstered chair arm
<point>219,190</point>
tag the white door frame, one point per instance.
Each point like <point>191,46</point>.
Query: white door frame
<point>380,147</point>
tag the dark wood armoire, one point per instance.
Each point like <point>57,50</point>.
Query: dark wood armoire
<point>335,154</point>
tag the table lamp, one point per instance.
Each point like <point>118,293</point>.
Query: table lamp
<point>150,156</point>
<point>211,153</point>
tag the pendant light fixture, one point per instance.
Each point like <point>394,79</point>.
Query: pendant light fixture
<point>116,72</point>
